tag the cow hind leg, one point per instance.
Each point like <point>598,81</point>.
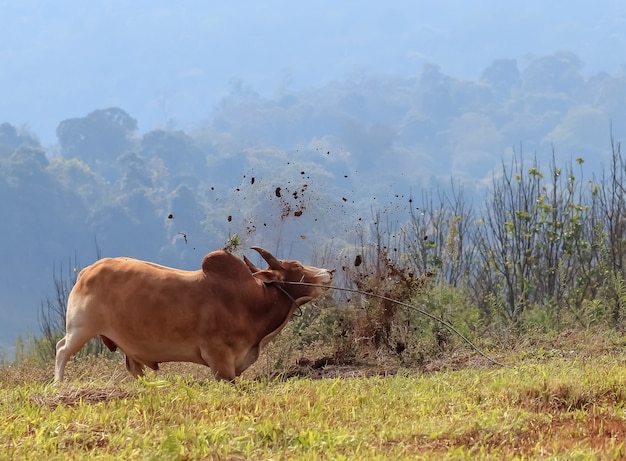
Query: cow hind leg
<point>109,343</point>
<point>71,343</point>
<point>134,367</point>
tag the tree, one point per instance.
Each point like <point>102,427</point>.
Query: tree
<point>97,138</point>
<point>438,237</point>
<point>539,244</point>
<point>580,133</point>
<point>502,74</point>
<point>610,97</point>
<point>178,151</point>
<point>436,92</point>
<point>28,163</point>
<point>135,173</point>
<point>473,139</point>
<point>368,144</point>
<point>78,179</point>
<point>506,239</point>
<point>555,74</point>
<point>612,204</point>
<point>12,137</point>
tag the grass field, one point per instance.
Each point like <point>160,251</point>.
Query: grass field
<point>545,406</point>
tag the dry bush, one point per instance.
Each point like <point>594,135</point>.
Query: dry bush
<point>79,396</point>
<point>26,371</point>
<point>348,329</point>
<point>374,322</point>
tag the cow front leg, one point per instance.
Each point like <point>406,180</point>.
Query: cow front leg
<point>222,365</point>
<point>224,374</point>
<point>249,359</point>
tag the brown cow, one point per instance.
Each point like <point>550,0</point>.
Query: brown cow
<point>220,316</point>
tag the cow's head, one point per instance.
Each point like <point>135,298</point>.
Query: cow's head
<point>292,271</point>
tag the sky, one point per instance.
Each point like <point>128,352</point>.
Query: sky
<point>171,62</point>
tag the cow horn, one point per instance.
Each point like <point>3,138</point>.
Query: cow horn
<point>269,258</point>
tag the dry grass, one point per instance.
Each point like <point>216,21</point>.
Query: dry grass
<point>87,396</point>
<point>555,402</point>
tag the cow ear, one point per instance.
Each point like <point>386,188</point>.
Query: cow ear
<point>251,266</point>
<point>267,276</point>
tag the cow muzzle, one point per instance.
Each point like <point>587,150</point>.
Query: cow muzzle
<point>325,276</point>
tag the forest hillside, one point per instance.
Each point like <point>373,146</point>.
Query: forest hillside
<point>310,173</point>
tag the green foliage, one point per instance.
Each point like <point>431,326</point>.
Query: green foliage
<point>233,243</point>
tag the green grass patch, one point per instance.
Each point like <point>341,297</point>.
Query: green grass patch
<point>544,408</point>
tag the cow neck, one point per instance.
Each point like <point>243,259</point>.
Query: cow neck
<point>277,320</point>
<point>280,287</point>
